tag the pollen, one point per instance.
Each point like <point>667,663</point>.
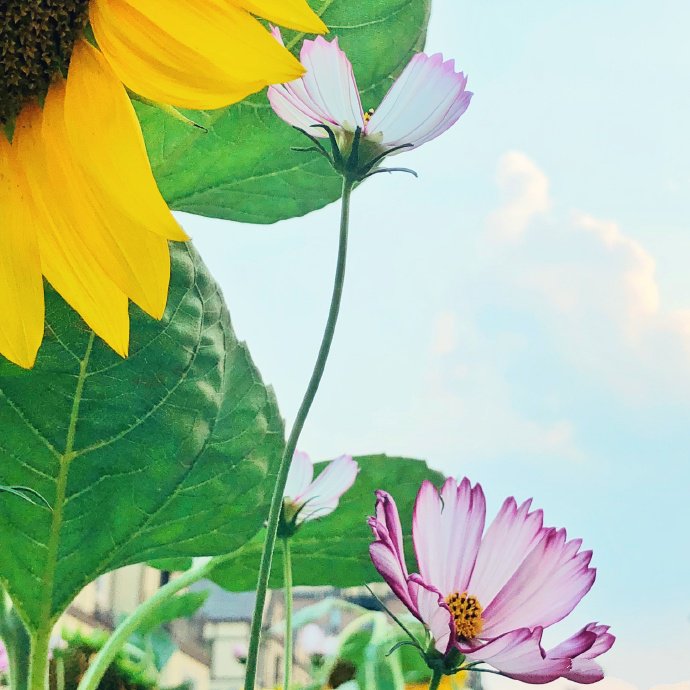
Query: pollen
<point>368,114</point>
<point>36,42</point>
<point>467,615</point>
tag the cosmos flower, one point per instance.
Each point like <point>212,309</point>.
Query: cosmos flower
<point>79,202</point>
<point>314,642</point>
<point>306,498</point>
<point>487,596</point>
<point>423,102</point>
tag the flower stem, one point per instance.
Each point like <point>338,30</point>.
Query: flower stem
<point>287,593</point>
<point>435,679</point>
<point>284,468</point>
<point>141,614</point>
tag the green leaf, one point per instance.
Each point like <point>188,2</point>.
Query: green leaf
<point>171,564</point>
<point>162,455</point>
<point>335,549</point>
<point>243,168</point>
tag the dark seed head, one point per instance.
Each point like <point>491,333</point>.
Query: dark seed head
<point>36,42</point>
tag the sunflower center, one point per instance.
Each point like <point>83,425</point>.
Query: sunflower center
<point>36,42</point>
<point>467,614</point>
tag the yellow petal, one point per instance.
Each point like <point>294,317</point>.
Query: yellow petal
<point>136,260</point>
<point>21,283</point>
<point>200,54</point>
<point>102,185</point>
<point>293,14</point>
<point>107,142</point>
<point>67,259</point>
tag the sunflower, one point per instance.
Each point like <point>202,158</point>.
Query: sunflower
<point>80,205</point>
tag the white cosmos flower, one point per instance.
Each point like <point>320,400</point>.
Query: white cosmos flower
<point>306,498</point>
<point>423,102</point>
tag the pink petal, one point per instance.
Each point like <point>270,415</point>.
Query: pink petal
<point>387,552</point>
<point>322,496</point>
<point>447,531</point>
<point>508,541</point>
<point>425,100</point>
<point>544,589</point>
<point>292,104</point>
<point>584,669</point>
<point>299,476</point>
<point>327,93</point>
<point>434,612</point>
<point>519,655</point>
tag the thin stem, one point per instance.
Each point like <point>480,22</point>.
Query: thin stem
<point>281,479</point>
<point>287,593</point>
<point>142,613</point>
<point>435,679</point>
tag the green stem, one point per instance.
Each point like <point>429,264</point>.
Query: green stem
<point>435,679</point>
<point>284,468</point>
<point>141,614</point>
<point>287,592</point>
<point>38,669</point>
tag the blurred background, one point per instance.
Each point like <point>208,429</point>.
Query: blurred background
<point>519,314</point>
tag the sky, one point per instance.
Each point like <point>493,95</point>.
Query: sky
<point>520,313</point>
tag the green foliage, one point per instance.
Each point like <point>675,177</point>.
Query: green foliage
<point>125,673</point>
<point>243,168</point>
<point>334,550</point>
<point>164,454</point>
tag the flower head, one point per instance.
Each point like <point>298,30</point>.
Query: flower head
<point>306,498</point>
<point>80,204</point>
<point>486,596</point>
<point>314,642</point>
<point>423,102</point>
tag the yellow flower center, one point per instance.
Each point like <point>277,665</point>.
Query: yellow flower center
<point>368,114</point>
<point>36,42</point>
<point>467,614</point>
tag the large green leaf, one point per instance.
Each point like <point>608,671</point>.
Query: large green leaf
<point>164,454</point>
<point>335,550</point>
<point>243,168</point>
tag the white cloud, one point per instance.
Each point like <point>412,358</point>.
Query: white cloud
<point>445,333</point>
<point>526,191</point>
<point>594,289</point>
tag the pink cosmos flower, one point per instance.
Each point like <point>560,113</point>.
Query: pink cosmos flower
<point>488,595</point>
<point>306,498</point>
<point>423,102</point>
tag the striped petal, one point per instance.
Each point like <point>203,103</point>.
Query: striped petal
<point>292,14</point>
<point>426,99</point>
<point>519,655</point>
<point>544,589</point>
<point>447,529</point>
<point>299,477</point>
<point>66,260</point>
<point>511,536</point>
<point>200,54</point>
<point>21,283</point>
<point>322,496</point>
<point>327,93</point>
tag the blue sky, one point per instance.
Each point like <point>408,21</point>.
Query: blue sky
<point>521,313</point>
